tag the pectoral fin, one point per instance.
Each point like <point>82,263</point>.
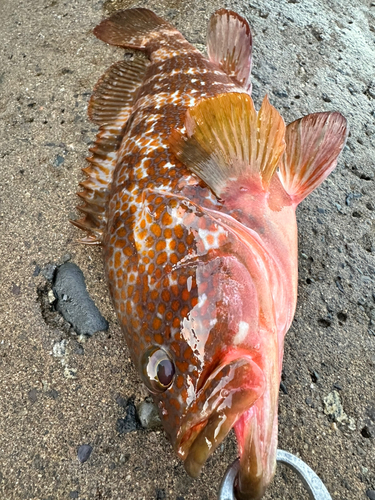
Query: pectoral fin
<point>132,28</point>
<point>229,45</point>
<point>313,144</point>
<point>227,140</point>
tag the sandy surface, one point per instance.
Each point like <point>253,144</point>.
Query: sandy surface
<point>57,391</point>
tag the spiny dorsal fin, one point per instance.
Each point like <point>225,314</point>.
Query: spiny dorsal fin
<point>313,144</point>
<point>229,45</point>
<point>110,107</point>
<point>132,28</point>
<point>114,93</point>
<point>227,140</point>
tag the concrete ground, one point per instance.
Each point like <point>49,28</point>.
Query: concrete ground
<point>59,391</point>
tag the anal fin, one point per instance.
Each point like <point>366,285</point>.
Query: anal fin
<point>313,144</point>
<point>229,45</point>
<point>110,107</point>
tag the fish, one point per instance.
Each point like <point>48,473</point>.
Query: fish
<point>192,195</point>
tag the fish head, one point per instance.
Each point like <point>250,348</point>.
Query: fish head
<point>219,352</point>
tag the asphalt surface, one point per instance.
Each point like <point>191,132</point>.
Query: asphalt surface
<point>67,402</point>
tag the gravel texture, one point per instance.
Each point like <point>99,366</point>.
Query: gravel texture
<point>58,389</point>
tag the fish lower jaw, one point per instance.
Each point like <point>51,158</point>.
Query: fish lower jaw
<point>257,440</point>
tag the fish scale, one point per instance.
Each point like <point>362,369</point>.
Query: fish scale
<point>192,195</point>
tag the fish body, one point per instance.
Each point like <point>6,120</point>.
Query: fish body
<point>192,195</point>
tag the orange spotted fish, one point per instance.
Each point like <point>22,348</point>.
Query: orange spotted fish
<point>192,194</point>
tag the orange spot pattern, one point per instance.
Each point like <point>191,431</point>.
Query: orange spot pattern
<point>144,241</point>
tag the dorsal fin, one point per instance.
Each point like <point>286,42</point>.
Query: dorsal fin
<point>114,93</point>
<point>131,28</point>
<point>313,144</point>
<point>110,107</point>
<point>229,45</point>
<point>227,140</point>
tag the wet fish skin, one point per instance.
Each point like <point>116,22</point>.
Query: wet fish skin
<point>192,195</point>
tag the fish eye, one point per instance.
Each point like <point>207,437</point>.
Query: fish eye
<point>158,369</point>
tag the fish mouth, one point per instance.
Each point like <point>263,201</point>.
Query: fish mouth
<point>231,389</point>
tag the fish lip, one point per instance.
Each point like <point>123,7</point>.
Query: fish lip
<point>216,412</point>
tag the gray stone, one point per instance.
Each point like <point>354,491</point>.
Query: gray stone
<point>74,302</point>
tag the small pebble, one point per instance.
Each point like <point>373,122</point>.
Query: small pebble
<point>371,494</point>
<point>283,388</point>
<point>352,196</point>
<point>36,270</point>
<point>51,297</point>
<point>339,286</point>
<point>48,272</point>
<point>130,422</point>
<point>53,394</point>
<point>160,495</point>
<point>371,408</point>
<point>59,349</point>
<point>122,402</point>
<point>368,431</point>
<point>149,415</point>
<point>84,452</point>
<point>66,257</point>
<point>33,396</point>
<point>59,160</point>
<point>124,458</point>
<point>371,87</point>
<point>79,350</point>
<point>280,93</point>
<point>333,407</point>
<point>360,451</point>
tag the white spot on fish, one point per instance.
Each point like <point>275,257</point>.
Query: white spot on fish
<point>202,300</point>
<point>215,237</point>
<point>208,442</point>
<point>220,423</point>
<point>240,336</point>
